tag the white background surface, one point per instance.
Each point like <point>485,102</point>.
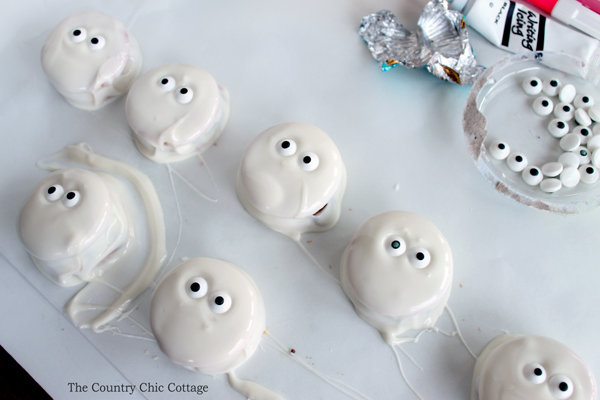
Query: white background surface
<point>516,269</point>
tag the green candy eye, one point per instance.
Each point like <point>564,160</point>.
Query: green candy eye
<point>395,246</point>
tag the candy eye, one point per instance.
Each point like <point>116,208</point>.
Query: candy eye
<point>543,106</point>
<point>532,85</point>
<point>197,287</point>
<point>184,95</point>
<point>167,83</point>
<point>395,246</point>
<point>219,302</point>
<point>532,176</point>
<point>583,101</point>
<point>71,198</point>
<point>97,42</point>
<point>419,257</point>
<point>561,387</point>
<point>499,150</point>
<point>558,128</point>
<point>588,174</point>
<point>78,35</point>
<point>308,161</point>
<point>286,147</point>
<point>564,111</point>
<point>535,373</point>
<point>517,162</point>
<point>54,192</point>
<point>551,86</point>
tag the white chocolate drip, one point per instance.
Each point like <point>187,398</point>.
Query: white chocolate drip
<point>251,389</point>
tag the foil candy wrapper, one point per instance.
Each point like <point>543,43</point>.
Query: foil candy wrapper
<point>441,43</point>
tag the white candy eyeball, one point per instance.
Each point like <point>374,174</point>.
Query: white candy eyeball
<point>558,128</point>
<point>532,85</point>
<point>499,150</point>
<point>564,111</point>
<point>395,246</point>
<point>596,158</point>
<point>570,177</point>
<point>550,185</point>
<point>167,83</point>
<point>552,169</point>
<point>184,95</point>
<point>561,387</point>
<point>97,43</point>
<point>551,86</point>
<point>569,160</point>
<point>286,147</point>
<point>532,175</point>
<point>570,142</point>
<point>594,113</point>
<point>567,93</point>
<point>78,35</point>
<point>308,161</point>
<point>589,174</point>
<point>543,106</point>
<point>419,257</point>
<point>517,162</point>
<point>71,198</point>
<point>583,153</point>
<point>197,287</point>
<point>535,373</point>
<point>594,142</point>
<point>582,117</point>
<point>219,302</point>
<point>54,192</point>
<point>585,133</point>
<point>583,101</point>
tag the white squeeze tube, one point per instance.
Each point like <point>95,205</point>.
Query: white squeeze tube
<point>518,28</point>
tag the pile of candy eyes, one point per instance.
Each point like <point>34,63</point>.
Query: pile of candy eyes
<point>581,158</point>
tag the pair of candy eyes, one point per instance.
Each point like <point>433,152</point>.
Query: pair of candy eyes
<point>183,95</point>
<point>308,161</point>
<point>219,302</point>
<point>561,387</point>
<point>70,199</point>
<point>78,35</point>
<point>418,257</point>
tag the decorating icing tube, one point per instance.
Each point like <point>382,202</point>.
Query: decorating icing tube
<point>573,13</point>
<point>517,28</point>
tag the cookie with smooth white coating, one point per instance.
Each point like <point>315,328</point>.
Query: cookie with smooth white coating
<point>551,185</point>
<point>569,159</point>
<point>583,101</point>
<point>551,86</point>
<point>558,128</point>
<point>207,315</point>
<point>532,85</point>
<point>543,106</point>
<point>564,111</point>
<point>514,366</point>
<point>532,175</point>
<point>176,111</point>
<point>570,142</point>
<point>570,177</point>
<point>584,155</point>
<point>517,162</point>
<point>91,59</point>
<point>292,179</point>
<point>552,169</point>
<point>582,117</point>
<point>397,271</point>
<point>589,174</point>
<point>499,150</point>
<point>584,132</point>
<point>567,93</point>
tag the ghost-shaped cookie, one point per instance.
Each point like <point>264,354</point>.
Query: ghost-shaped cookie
<point>292,179</point>
<point>397,271</point>
<point>91,59</point>
<point>73,224</point>
<point>524,367</point>
<point>176,111</point>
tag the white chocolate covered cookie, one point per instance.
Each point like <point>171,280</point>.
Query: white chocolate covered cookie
<point>176,111</point>
<point>397,271</point>
<point>91,59</point>
<point>522,367</point>
<point>292,179</point>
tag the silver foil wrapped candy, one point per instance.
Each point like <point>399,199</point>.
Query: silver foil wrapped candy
<point>441,43</point>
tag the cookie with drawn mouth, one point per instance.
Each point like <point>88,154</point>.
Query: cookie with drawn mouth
<point>292,179</point>
<point>91,59</point>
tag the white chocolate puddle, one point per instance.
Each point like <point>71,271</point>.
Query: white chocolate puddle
<point>82,238</point>
<point>523,367</point>
<point>91,59</point>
